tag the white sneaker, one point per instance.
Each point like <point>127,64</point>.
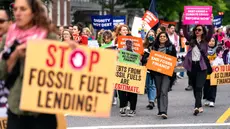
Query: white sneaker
<point>211,104</point>
<point>206,103</point>
<point>114,101</point>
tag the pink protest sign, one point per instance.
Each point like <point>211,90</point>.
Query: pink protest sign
<point>197,15</point>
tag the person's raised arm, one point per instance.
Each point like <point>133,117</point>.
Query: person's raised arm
<point>185,31</point>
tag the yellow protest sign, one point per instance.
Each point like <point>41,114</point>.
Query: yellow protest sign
<point>220,75</point>
<point>58,80</point>
<point>3,122</point>
<point>130,78</point>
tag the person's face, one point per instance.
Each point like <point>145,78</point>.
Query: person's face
<point>23,13</point>
<point>129,45</point>
<point>61,29</point>
<point>220,31</point>
<point>211,43</point>
<point>220,54</point>
<point>181,32</point>
<point>172,29</point>
<point>124,31</point>
<point>4,23</point>
<point>107,39</point>
<point>163,38</point>
<point>84,32</point>
<point>151,34</point>
<point>75,30</point>
<point>66,36</point>
<point>70,28</point>
<point>199,31</point>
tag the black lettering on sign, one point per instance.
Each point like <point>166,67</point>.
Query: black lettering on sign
<point>67,101</point>
<point>93,84</point>
<point>216,75</point>
<point>58,100</point>
<point>32,75</point>
<point>124,81</point>
<point>59,78</point>
<point>41,78</point>
<point>48,99</point>
<point>80,102</point>
<point>3,123</point>
<point>39,99</point>
<point>88,105</point>
<point>50,83</point>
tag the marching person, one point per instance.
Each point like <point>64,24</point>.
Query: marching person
<point>163,44</point>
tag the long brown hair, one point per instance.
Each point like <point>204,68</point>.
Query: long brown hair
<point>40,19</point>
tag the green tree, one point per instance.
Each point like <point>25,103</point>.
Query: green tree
<point>227,13</point>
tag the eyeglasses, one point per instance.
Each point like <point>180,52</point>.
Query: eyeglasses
<point>199,30</point>
<point>2,21</point>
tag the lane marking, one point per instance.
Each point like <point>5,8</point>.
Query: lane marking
<point>153,126</point>
<point>224,117</point>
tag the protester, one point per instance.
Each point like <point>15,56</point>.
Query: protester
<point>5,22</point>
<point>195,60</point>
<point>126,97</point>
<point>215,57</point>
<point>67,35</point>
<point>77,34</point>
<point>163,44</point>
<point>107,39</point>
<point>29,21</point>
<point>150,83</point>
<point>122,30</point>
<point>160,29</point>
<point>88,33</point>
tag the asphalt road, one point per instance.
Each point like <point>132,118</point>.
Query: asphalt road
<point>180,115</point>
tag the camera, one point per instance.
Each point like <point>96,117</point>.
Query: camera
<point>9,51</point>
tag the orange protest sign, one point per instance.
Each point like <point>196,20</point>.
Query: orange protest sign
<point>137,43</point>
<point>130,78</point>
<point>61,121</point>
<point>59,80</point>
<point>150,19</point>
<point>161,62</point>
<point>220,75</point>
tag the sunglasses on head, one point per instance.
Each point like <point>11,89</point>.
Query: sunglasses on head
<point>2,21</point>
<point>199,30</point>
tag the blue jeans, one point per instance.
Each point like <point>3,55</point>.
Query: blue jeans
<point>150,87</point>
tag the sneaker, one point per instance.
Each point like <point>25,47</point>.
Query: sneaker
<point>179,76</point>
<point>189,88</point>
<point>128,106</point>
<point>159,114</point>
<point>206,103</point>
<point>150,106</point>
<point>123,112</point>
<point>164,116</point>
<point>131,113</point>
<point>201,110</point>
<point>114,101</point>
<point>211,104</point>
<point>196,111</point>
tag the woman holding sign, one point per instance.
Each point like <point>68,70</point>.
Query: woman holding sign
<point>196,60</point>
<point>163,44</point>
<point>30,23</point>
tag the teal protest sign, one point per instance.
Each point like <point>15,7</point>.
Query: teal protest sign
<point>128,57</point>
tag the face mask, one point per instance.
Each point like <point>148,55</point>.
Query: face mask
<point>151,38</point>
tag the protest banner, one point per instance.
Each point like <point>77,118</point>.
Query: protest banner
<point>130,78</point>
<point>137,43</point>
<point>139,29</point>
<point>220,75</point>
<point>197,15</point>
<point>60,80</point>
<point>150,19</point>
<point>119,20</point>
<point>166,23</point>
<point>161,62</point>
<point>102,22</point>
<point>217,21</point>
<point>129,57</point>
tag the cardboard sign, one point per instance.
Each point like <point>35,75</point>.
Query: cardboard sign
<point>161,62</point>
<point>150,19</point>
<point>139,29</point>
<point>58,80</point>
<point>220,75</point>
<point>137,43</point>
<point>130,78</point>
<point>128,57</point>
<point>197,15</point>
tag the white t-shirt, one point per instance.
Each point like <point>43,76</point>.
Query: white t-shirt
<point>218,61</point>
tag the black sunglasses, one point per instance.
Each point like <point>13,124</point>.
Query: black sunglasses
<point>199,30</point>
<point>2,21</point>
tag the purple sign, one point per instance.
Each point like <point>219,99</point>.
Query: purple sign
<point>197,15</point>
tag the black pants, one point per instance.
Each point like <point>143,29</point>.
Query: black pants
<point>43,121</point>
<point>189,78</point>
<point>127,96</point>
<point>198,78</point>
<point>209,91</point>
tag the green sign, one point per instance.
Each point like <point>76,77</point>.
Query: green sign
<point>129,57</point>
